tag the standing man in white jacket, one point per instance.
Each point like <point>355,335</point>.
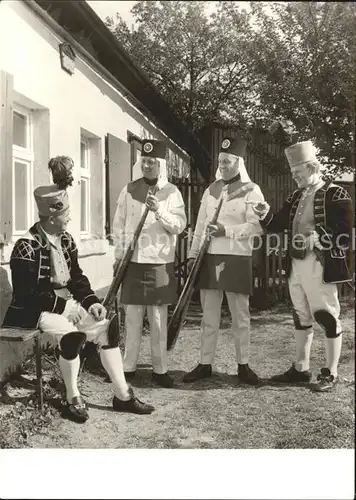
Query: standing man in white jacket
<point>227,265</point>
<point>149,282</point>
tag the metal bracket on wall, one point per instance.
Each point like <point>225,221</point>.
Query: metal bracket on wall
<point>68,57</point>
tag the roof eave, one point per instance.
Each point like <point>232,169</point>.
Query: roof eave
<point>133,82</point>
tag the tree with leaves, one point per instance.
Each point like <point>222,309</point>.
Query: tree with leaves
<point>277,60</point>
<point>305,56</point>
<point>196,59</point>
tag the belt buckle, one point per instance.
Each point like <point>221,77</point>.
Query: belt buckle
<point>298,253</point>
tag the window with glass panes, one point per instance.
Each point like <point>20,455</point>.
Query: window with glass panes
<point>84,186</point>
<point>22,170</point>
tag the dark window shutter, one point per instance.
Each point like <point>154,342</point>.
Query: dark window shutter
<point>117,175</point>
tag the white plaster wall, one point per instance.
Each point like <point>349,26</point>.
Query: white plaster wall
<point>29,51</point>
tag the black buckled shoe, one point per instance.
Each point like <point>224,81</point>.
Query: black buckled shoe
<point>199,372</point>
<point>133,405</point>
<point>162,379</point>
<point>292,376</point>
<point>76,410</point>
<point>246,375</point>
<point>325,381</point>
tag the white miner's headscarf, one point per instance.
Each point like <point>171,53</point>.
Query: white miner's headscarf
<point>235,146</point>
<point>153,149</point>
<point>242,171</point>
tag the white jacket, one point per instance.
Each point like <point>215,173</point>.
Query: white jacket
<point>240,221</point>
<point>157,241</point>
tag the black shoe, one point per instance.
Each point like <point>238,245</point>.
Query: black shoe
<point>199,372</point>
<point>325,381</point>
<point>247,375</point>
<point>133,405</point>
<point>162,379</point>
<point>292,376</point>
<point>76,410</point>
<point>128,376</point>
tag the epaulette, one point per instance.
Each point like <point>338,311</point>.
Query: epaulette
<point>340,193</point>
<point>67,241</point>
<point>24,250</point>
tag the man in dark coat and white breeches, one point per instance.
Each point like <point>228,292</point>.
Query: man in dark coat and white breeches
<point>318,219</point>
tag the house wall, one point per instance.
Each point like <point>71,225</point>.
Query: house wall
<point>64,107</point>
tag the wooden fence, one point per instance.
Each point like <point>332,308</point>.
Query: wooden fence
<point>192,191</point>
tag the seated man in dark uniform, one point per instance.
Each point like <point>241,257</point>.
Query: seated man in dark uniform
<point>50,292</point>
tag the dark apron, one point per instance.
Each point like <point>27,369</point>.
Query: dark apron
<point>231,273</point>
<point>149,284</point>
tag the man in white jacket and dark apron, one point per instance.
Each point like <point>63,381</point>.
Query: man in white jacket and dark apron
<point>149,282</point>
<point>227,266</point>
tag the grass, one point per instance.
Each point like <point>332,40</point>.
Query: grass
<point>218,412</point>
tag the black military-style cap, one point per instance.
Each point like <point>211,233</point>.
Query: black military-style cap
<point>234,146</point>
<point>154,148</point>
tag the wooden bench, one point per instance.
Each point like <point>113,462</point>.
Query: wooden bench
<point>23,335</point>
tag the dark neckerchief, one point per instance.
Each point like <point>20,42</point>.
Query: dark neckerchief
<point>234,179</point>
<point>150,182</point>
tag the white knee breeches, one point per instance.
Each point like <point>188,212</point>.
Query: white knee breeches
<point>309,293</point>
<point>57,325</point>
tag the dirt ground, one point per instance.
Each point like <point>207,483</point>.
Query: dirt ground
<point>215,413</point>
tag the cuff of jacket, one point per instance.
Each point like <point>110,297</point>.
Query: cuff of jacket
<point>266,219</point>
<point>119,248</point>
<point>59,305</point>
<point>326,237</point>
<point>159,214</point>
<point>89,300</point>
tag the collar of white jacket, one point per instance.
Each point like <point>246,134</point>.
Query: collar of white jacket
<point>242,171</point>
<point>162,176</point>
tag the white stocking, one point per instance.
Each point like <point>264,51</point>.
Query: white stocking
<point>333,351</point>
<point>70,370</point>
<point>112,362</point>
<point>303,342</point>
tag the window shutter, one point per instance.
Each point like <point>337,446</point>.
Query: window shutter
<point>118,174</point>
